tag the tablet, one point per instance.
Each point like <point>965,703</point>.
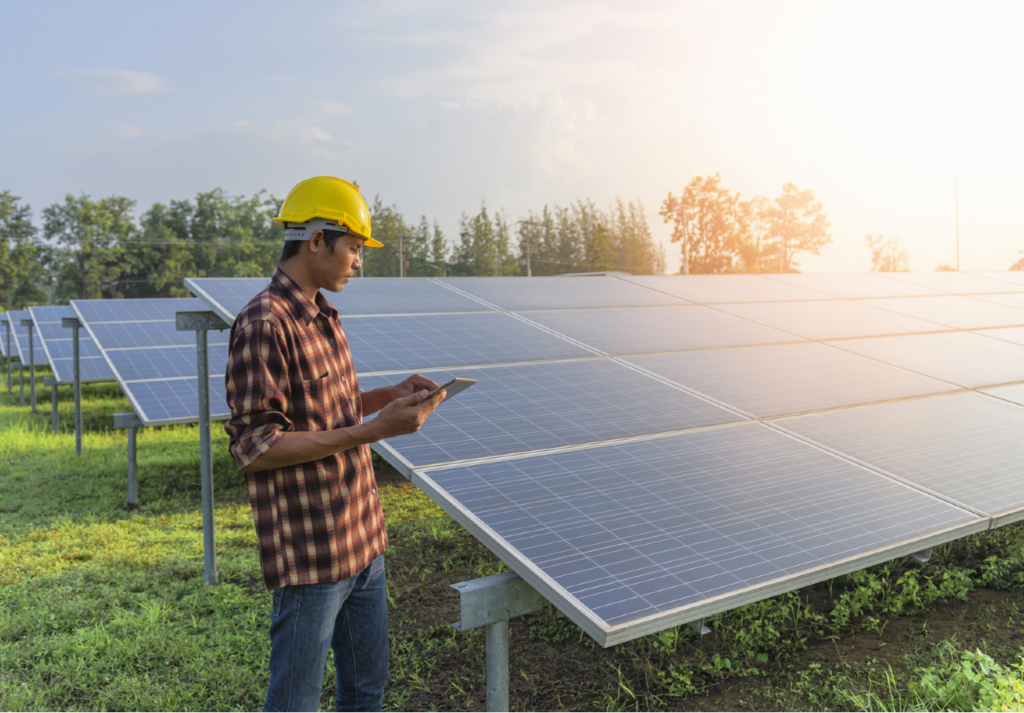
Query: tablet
<point>453,387</point>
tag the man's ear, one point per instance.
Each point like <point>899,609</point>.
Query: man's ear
<point>316,241</point>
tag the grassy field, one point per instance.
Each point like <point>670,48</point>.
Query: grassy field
<point>102,607</point>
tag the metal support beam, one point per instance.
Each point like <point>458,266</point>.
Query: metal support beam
<point>200,323</point>
<point>133,423</point>
<point>31,362</point>
<point>75,325</point>
<point>21,383</point>
<point>9,356</point>
<point>490,602</point>
<point>52,383</point>
<point>699,627</point>
<point>923,556</point>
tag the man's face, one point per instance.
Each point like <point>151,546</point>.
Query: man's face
<point>333,269</point>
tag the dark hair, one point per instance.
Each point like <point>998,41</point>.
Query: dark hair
<point>291,247</point>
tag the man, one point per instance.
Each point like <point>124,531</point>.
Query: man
<point>297,432</point>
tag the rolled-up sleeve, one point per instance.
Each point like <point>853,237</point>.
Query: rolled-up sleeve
<point>257,390</point>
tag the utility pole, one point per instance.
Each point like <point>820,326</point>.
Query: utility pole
<point>401,254</point>
<point>956,188</point>
<point>526,245</point>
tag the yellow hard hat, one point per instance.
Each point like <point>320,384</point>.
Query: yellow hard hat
<point>331,198</point>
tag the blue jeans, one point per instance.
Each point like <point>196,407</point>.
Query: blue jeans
<point>351,617</point>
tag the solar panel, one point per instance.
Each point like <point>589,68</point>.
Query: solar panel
<point>1010,299</point>
<point>361,296</point>
<point>529,407</point>
<point>57,342</point>
<point>439,340</point>
<point>177,401</point>
<point>954,311</point>
<point>715,289</point>
<point>786,379</point>
<point>154,364</point>
<point>1014,335</point>
<point>961,358</point>
<point>835,319</point>
<point>636,330</point>
<point>962,446</point>
<point>853,286</point>
<point>633,538</point>
<point>1014,277</point>
<point>19,335</point>
<point>1014,393</point>
<point>957,283</point>
<point>516,293</point>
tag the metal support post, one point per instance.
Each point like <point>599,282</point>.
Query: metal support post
<point>132,422</point>
<point>74,324</point>
<point>133,470</point>
<point>201,322</point>
<point>923,556</point>
<point>52,383</point>
<point>9,357</point>
<point>699,627</point>
<point>31,362</point>
<point>210,574</point>
<point>490,602</point>
<point>21,383</point>
<point>497,666</point>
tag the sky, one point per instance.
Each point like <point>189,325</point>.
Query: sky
<point>895,114</point>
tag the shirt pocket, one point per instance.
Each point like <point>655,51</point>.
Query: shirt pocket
<point>315,403</point>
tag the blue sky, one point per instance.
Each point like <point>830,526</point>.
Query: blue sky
<point>439,106</point>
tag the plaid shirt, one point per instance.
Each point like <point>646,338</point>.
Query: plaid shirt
<point>289,368</point>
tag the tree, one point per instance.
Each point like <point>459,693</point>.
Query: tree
<point>887,254</point>
<point>484,246</point>
<point>706,222</point>
<point>754,219</point>
<point>633,246</point>
<point>24,280</point>
<point>950,268</point>
<point>88,236</point>
<point>797,224</point>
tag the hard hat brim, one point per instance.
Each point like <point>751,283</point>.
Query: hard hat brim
<point>370,242</point>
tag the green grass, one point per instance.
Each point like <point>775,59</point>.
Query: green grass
<point>103,607</point>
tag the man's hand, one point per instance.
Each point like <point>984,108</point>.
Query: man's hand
<point>414,384</point>
<point>405,415</point>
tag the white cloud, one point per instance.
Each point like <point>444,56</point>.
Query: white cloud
<point>315,132</point>
<point>119,81</point>
<point>121,131</point>
<point>334,109</point>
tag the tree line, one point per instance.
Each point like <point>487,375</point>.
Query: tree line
<point>718,232</point>
<point>96,248</point>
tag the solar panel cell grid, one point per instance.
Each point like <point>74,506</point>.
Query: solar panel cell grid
<point>957,283</point>
<point>961,358</point>
<point>778,380</point>
<point>644,528</point>
<point>529,407</point>
<point>834,319</point>
<point>721,289</point>
<point>963,446</point>
<point>637,330</point>
<point>954,311</point>
<point>849,286</point>
<point>425,341</point>
<point>560,292</point>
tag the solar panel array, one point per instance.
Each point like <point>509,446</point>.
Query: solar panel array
<point>153,363</point>
<point>19,340</point>
<point>647,451</point>
<point>57,342</point>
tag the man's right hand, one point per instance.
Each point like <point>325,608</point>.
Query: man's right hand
<point>405,415</point>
